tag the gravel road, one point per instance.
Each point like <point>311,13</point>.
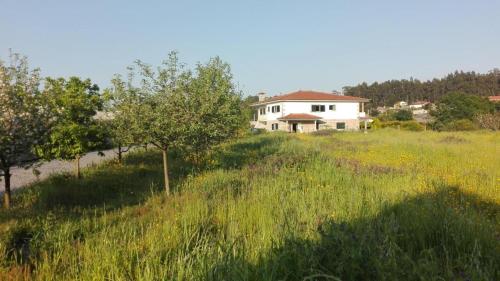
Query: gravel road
<point>21,177</point>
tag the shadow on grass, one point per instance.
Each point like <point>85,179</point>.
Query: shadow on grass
<point>447,235</point>
<point>112,186</point>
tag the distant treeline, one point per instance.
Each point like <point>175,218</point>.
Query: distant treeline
<point>389,92</point>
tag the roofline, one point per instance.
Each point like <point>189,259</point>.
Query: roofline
<point>276,101</point>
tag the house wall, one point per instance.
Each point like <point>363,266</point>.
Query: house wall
<point>344,110</point>
<point>350,124</point>
<point>306,126</point>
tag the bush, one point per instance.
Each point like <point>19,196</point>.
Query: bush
<point>376,124</point>
<point>460,125</point>
<point>403,115</point>
<point>258,131</point>
<point>403,125</point>
<point>397,115</point>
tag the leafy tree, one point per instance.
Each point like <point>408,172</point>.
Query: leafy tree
<point>124,106</point>
<point>76,132</point>
<point>215,108</point>
<point>403,115</point>
<point>248,111</point>
<point>165,117</point>
<point>457,106</point>
<point>24,118</point>
<point>179,109</point>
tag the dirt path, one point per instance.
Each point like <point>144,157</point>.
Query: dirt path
<point>22,177</point>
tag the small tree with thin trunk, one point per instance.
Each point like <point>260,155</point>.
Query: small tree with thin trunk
<point>163,114</point>
<point>75,133</point>
<point>24,118</point>
<point>215,107</point>
<point>188,111</point>
<point>124,108</point>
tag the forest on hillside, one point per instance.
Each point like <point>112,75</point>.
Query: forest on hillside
<point>389,92</point>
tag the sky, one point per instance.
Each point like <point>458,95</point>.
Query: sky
<point>272,46</point>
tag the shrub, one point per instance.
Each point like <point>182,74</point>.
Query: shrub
<point>412,126</point>
<point>403,115</point>
<point>488,121</point>
<point>397,115</point>
<point>403,125</point>
<point>258,131</point>
<point>376,124</point>
<point>460,125</point>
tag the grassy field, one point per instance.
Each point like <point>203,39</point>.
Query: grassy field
<point>389,205</point>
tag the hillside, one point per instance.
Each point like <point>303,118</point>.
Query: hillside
<point>389,205</point>
<point>389,92</point>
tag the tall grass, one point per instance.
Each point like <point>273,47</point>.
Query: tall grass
<point>390,205</point>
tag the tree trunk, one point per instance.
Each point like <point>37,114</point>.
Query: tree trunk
<point>165,171</point>
<point>77,168</point>
<point>120,154</point>
<point>6,195</point>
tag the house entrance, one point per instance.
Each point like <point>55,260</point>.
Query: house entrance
<point>294,127</point>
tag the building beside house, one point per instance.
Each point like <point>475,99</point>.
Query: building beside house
<point>494,98</point>
<point>418,105</point>
<point>400,105</point>
<point>308,111</point>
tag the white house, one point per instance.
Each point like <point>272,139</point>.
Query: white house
<point>308,111</point>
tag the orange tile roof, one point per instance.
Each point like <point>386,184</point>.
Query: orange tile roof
<point>311,95</point>
<point>299,116</point>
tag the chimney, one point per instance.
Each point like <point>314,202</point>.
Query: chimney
<point>262,96</point>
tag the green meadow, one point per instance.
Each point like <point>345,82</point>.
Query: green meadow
<point>388,205</point>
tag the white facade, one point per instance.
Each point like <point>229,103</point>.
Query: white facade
<point>339,115</point>
<point>340,110</point>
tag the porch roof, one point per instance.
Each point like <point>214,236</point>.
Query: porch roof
<point>300,116</point>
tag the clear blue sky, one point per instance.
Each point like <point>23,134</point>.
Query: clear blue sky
<point>272,46</point>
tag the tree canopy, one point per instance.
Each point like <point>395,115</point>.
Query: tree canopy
<point>458,105</point>
<point>24,117</point>
<point>389,92</point>
<point>179,108</point>
<point>74,103</point>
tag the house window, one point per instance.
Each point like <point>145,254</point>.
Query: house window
<point>275,109</point>
<point>317,108</point>
<point>268,108</point>
<point>274,126</point>
<point>262,111</point>
<point>332,107</point>
<point>340,126</point>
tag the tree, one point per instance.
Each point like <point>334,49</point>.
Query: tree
<point>24,118</point>
<point>75,132</point>
<point>458,106</point>
<point>124,106</point>
<point>248,111</point>
<point>179,109</point>
<point>215,108</point>
<point>403,115</point>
